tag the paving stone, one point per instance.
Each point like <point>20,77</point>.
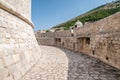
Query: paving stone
<point>64,64</point>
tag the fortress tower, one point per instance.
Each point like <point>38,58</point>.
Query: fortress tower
<point>18,46</point>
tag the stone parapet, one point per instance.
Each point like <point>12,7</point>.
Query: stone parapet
<point>99,39</point>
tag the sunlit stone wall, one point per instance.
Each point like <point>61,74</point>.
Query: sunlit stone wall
<point>100,39</point>
<point>19,50</point>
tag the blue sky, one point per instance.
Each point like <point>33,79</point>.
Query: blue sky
<point>48,13</point>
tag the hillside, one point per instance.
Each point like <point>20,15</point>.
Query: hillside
<point>93,15</point>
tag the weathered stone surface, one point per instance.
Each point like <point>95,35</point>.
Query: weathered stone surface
<point>19,50</point>
<point>100,39</point>
<point>63,64</point>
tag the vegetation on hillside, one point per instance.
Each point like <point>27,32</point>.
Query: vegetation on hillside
<point>93,15</point>
<point>47,31</point>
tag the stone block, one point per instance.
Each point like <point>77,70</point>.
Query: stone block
<point>9,78</point>
<point>12,41</point>
<point>3,73</point>
<point>16,57</point>
<point>2,30</point>
<point>1,63</point>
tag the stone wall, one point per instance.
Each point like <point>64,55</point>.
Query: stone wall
<point>100,39</point>
<point>21,6</point>
<point>45,40</point>
<point>19,50</point>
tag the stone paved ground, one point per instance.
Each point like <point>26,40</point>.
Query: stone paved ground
<point>63,64</point>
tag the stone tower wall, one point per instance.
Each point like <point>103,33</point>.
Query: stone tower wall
<point>21,6</point>
<point>18,45</point>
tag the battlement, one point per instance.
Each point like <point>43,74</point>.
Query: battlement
<point>99,39</point>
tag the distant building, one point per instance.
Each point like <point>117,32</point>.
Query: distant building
<point>56,29</point>
<point>52,30</point>
<point>77,24</point>
<point>38,31</point>
<point>43,31</point>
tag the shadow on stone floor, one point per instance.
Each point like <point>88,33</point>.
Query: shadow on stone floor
<point>63,64</point>
<point>83,67</point>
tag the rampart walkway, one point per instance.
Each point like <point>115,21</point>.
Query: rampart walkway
<point>63,64</point>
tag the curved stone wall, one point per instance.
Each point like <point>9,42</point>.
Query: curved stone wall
<point>100,39</point>
<point>21,6</point>
<point>19,50</point>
